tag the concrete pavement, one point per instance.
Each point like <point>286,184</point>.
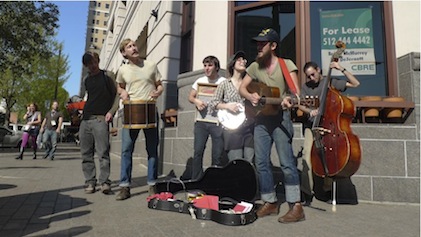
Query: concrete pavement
<point>46,198</point>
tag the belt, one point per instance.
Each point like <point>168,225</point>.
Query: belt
<point>92,117</point>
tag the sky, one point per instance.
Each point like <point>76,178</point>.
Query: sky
<point>72,33</point>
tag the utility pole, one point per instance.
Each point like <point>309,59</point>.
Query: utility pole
<point>58,71</point>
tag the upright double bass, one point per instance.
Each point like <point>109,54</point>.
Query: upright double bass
<point>336,151</point>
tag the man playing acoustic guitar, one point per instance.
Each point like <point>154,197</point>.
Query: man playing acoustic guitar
<point>274,128</point>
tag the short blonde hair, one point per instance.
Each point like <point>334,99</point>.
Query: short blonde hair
<point>123,44</point>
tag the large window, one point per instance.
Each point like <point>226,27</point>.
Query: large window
<point>304,27</point>
<point>360,26</point>
<point>279,16</point>
<point>187,26</point>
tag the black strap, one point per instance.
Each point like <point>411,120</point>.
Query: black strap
<point>107,84</point>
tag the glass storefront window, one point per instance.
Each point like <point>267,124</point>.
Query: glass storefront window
<point>359,25</point>
<point>279,16</point>
<point>362,28</point>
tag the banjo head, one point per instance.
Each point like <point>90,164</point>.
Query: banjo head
<point>231,121</point>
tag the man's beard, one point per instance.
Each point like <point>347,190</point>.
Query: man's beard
<point>264,59</point>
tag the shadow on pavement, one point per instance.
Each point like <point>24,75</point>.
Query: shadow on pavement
<point>26,214</point>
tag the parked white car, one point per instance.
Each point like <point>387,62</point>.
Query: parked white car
<point>10,138</point>
<point>16,127</point>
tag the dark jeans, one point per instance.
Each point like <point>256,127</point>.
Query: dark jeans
<point>202,130</point>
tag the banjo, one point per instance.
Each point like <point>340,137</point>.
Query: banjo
<point>230,120</point>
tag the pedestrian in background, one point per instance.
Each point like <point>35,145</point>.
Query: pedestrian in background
<point>50,129</point>
<point>30,130</point>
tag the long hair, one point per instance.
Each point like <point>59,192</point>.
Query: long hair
<point>35,105</point>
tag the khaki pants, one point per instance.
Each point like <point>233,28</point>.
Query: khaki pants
<point>307,172</point>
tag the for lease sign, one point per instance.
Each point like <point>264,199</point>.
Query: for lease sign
<point>354,28</point>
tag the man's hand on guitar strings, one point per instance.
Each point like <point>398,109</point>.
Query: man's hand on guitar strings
<point>255,99</point>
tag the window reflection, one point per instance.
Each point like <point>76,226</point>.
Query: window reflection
<point>279,16</point>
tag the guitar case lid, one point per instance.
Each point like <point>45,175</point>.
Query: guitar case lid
<point>236,180</point>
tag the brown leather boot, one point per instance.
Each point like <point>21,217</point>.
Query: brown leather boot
<point>295,214</point>
<point>268,209</point>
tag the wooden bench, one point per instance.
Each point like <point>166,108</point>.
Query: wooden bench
<point>406,106</point>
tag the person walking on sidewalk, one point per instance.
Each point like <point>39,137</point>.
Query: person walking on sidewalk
<point>50,129</point>
<point>99,109</point>
<point>139,79</point>
<point>30,130</point>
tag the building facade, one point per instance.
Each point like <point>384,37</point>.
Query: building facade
<point>383,48</point>
<point>96,28</point>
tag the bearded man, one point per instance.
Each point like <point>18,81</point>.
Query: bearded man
<point>274,128</point>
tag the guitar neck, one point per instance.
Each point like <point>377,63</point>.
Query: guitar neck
<point>270,101</point>
<point>314,102</point>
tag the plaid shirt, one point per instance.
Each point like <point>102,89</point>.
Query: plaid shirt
<point>226,93</point>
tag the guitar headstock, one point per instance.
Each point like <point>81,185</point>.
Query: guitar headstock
<point>340,50</point>
<point>308,101</point>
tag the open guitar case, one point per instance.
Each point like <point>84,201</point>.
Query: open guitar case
<point>234,183</point>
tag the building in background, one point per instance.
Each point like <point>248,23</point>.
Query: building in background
<point>177,35</point>
<point>96,30</point>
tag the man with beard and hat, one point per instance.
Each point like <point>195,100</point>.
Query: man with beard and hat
<point>274,128</point>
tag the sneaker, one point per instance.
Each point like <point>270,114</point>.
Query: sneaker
<point>105,188</point>
<point>151,190</point>
<point>90,189</point>
<point>123,194</point>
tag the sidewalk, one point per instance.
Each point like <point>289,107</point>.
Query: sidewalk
<point>46,198</point>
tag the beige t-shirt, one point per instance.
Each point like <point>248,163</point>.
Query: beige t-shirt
<point>139,80</point>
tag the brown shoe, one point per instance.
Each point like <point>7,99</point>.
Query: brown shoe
<point>123,194</point>
<point>295,214</point>
<point>268,209</point>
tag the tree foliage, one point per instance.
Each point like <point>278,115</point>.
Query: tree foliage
<point>25,30</point>
<point>30,64</point>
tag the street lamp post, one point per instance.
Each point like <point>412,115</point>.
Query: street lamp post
<point>58,72</point>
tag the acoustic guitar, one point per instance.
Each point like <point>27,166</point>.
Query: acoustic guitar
<point>270,103</point>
